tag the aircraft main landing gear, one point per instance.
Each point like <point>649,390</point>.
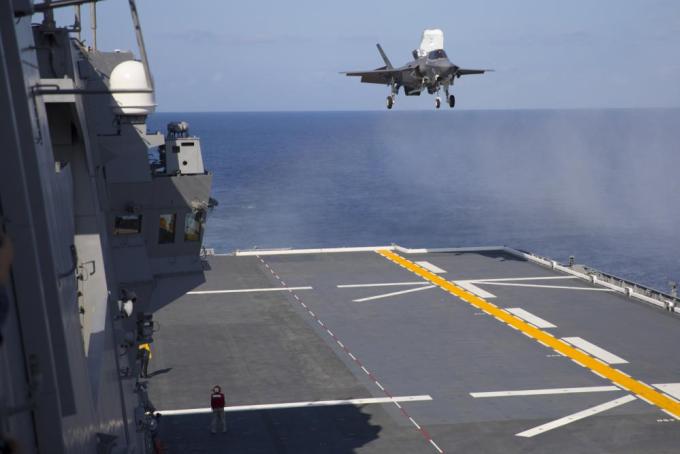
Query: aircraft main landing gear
<point>390,101</point>
<point>452,101</point>
<point>437,102</point>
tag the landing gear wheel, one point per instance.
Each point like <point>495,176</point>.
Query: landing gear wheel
<point>390,102</point>
<point>452,101</point>
<point>437,102</point>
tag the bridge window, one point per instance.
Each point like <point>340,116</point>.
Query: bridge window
<point>193,225</point>
<point>127,224</point>
<point>166,228</point>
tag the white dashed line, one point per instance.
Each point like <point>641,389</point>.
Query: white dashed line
<point>430,267</point>
<point>389,398</point>
<point>594,350</point>
<point>529,317</point>
<point>436,447</point>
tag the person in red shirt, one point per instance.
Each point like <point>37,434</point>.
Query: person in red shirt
<point>217,405</point>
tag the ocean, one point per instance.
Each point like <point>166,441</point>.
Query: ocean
<point>599,185</point>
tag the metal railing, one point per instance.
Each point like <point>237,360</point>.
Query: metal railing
<point>620,285</point>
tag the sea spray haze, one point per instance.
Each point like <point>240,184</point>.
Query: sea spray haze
<point>598,184</point>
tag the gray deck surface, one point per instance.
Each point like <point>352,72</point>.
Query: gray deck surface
<point>265,348</point>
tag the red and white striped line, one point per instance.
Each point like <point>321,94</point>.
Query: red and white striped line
<point>356,360</point>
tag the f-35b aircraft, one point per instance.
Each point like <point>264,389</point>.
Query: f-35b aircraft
<point>429,69</point>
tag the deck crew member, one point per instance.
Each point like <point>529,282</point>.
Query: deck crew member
<point>145,356</point>
<point>217,405</point>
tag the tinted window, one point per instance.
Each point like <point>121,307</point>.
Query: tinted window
<point>435,54</point>
<point>166,229</point>
<point>193,225</point>
<point>127,224</point>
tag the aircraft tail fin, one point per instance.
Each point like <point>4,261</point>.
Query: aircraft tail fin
<point>384,57</point>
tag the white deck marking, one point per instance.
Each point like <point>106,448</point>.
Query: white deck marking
<point>385,284</point>
<point>541,278</point>
<point>594,350</point>
<point>430,267</point>
<point>439,450</point>
<point>390,398</point>
<point>565,287</point>
<point>386,295</point>
<point>531,318</point>
<point>576,416</point>
<point>472,285</point>
<point>248,290</point>
<point>675,418</point>
<point>672,389</point>
<point>540,392</point>
<point>472,288</point>
<point>318,403</point>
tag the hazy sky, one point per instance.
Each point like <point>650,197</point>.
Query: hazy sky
<point>217,55</point>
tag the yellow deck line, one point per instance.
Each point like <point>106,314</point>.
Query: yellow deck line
<point>615,376</point>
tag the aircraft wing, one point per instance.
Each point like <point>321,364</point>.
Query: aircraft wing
<point>377,76</point>
<point>467,72</point>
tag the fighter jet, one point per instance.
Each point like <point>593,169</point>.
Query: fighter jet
<point>429,69</point>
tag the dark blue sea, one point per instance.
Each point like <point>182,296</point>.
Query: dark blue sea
<point>602,186</point>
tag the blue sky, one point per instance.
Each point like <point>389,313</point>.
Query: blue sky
<point>216,55</point>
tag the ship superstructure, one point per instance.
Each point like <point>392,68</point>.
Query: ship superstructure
<point>98,209</point>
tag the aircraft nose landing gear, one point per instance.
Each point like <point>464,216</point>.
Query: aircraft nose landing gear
<point>452,101</point>
<point>394,89</point>
<point>437,102</point>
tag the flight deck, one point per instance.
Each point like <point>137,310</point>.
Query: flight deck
<point>382,350</point>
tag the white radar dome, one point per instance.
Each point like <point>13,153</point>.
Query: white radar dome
<point>130,75</point>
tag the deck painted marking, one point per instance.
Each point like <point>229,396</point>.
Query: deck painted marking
<point>614,375</point>
<point>384,284</point>
<point>594,350</point>
<point>564,287</point>
<point>436,446</point>
<point>472,285</point>
<point>248,290</point>
<point>430,267</point>
<point>540,392</point>
<point>531,318</point>
<point>672,389</point>
<point>540,278</point>
<point>576,416</point>
<point>425,434</point>
<point>386,295</point>
<point>472,288</point>
<point>316,403</point>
